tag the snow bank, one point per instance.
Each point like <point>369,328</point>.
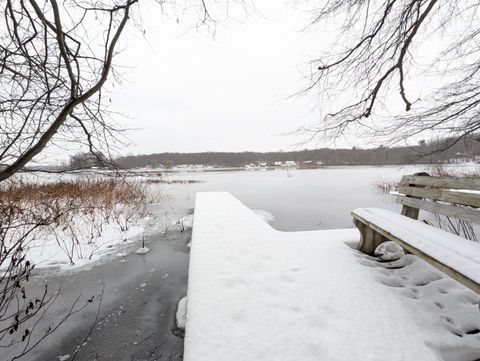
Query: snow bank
<point>46,252</point>
<point>181,315</point>
<point>259,294</point>
<point>143,250</point>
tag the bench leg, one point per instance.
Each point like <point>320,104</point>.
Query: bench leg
<point>369,239</point>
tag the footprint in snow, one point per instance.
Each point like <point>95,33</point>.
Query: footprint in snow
<point>411,293</point>
<point>450,321</point>
<point>439,305</point>
<point>392,282</point>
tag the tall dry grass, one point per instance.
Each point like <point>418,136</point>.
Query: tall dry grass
<point>439,170</point>
<point>385,186</point>
<point>73,212</point>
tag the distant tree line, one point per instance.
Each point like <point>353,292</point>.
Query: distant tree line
<point>88,160</point>
<point>439,151</point>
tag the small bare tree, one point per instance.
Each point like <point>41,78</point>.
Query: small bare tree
<point>422,54</point>
<point>21,310</point>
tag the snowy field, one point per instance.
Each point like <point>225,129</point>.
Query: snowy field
<point>256,293</point>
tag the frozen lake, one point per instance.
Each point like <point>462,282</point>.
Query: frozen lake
<point>298,199</point>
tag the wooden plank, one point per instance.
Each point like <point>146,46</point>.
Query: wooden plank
<point>432,261</point>
<point>459,212</point>
<point>442,182</point>
<point>409,211</point>
<point>467,199</point>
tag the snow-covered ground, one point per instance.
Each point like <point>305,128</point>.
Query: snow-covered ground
<point>259,294</point>
<point>47,252</point>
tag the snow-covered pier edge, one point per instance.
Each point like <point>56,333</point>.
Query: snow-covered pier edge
<point>256,293</point>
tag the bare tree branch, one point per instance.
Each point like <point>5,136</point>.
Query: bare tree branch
<point>380,49</point>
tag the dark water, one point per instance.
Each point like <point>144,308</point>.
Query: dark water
<point>136,319</point>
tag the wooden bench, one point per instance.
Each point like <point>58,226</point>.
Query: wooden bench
<point>454,197</point>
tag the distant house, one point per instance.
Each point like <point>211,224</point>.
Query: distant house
<point>289,163</point>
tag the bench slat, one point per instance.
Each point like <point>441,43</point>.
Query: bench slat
<point>468,199</point>
<point>468,214</point>
<point>442,182</point>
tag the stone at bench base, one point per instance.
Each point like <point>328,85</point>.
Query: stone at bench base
<point>453,255</point>
<point>369,238</point>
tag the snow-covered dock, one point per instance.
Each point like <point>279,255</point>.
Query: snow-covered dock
<point>255,293</point>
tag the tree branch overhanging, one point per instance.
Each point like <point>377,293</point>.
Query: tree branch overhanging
<point>379,60</point>
<point>49,72</point>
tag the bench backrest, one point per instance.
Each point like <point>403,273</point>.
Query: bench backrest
<point>457,197</point>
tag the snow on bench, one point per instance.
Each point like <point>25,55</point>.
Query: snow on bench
<point>454,197</point>
<point>451,250</point>
<point>258,294</point>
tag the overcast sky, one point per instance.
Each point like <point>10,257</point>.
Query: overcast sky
<point>188,90</point>
<point>230,87</point>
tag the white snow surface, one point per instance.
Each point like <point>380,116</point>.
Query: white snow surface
<point>143,250</point>
<point>45,252</point>
<point>181,315</point>
<point>454,251</point>
<point>259,294</point>
<point>266,216</point>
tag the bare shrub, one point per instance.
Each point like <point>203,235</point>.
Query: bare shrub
<point>173,181</point>
<point>439,170</point>
<point>385,186</point>
<point>74,212</point>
